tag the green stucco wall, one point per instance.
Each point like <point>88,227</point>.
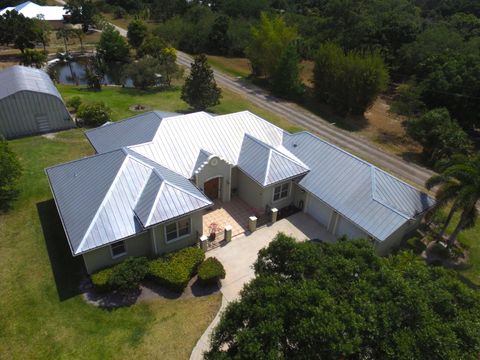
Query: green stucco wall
<point>140,245</point>
<point>208,171</point>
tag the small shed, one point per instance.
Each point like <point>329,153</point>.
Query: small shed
<point>30,103</point>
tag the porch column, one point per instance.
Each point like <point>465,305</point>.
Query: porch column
<point>274,215</point>
<point>252,223</point>
<point>228,233</point>
<point>204,242</point>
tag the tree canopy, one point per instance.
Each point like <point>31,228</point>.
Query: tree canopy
<point>439,134</point>
<point>269,39</point>
<point>137,32</point>
<point>338,301</point>
<point>112,46</point>
<point>200,90</point>
<point>350,81</point>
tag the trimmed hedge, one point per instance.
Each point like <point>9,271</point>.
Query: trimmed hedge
<point>128,274</point>
<point>175,270</point>
<point>101,280</point>
<point>125,275</point>
<point>211,271</point>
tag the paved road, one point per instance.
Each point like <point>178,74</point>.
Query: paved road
<point>311,122</point>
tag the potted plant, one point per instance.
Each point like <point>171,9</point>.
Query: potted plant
<point>213,228</point>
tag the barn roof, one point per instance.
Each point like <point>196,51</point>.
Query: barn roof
<point>21,78</point>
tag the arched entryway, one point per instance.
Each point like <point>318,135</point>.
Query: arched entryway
<point>212,188</point>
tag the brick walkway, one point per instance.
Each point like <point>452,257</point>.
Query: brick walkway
<point>235,213</point>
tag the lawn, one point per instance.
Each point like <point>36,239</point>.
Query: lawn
<point>120,99</point>
<point>42,315</point>
<point>470,238</point>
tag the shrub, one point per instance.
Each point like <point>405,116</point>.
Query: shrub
<point>101,280</point>
<point>10,172</point>
<point>175,270</point>
<point>74,103</point>
<point>93,114</point>
<point>128,274</point>
<point>211,271</point>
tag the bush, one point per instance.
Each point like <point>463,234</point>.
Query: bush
<point>74,103</point>
<point>93,114</point>
<point>10,172</point>
<point>101,280</point>
<point>211,271</point>
<point>175,270</point>
<point>128,274</point>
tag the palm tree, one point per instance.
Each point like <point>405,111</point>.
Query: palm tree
<point>459,183</point>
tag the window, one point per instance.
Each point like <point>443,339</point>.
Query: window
<point>177,229</point>
<point>118,249</point>
<point>281,191</point>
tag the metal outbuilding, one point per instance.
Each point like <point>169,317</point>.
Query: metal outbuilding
<point>30,103</point>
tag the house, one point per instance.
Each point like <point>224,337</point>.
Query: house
<point>54,15</point>
<point>30,103</point>
<point>154,174</point>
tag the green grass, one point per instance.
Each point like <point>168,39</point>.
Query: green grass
<point>238,67</point>
<point>120,99</point>
<point>471,239</point>
<point>42,315</point>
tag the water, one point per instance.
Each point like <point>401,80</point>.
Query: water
<point>73,73</point>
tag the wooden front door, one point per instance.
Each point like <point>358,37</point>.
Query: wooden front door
<point>211,188</point>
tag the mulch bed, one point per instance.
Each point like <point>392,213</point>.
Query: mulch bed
<point>148,291</point>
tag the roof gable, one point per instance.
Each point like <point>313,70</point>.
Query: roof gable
<point>266,165</point>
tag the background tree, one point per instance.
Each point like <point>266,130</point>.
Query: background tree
<point>81,12</point>
<point>341,301</point>
<point>137,32</point>
<point>10,172</point>
<point>168,66</point>
<point>351,81</point>
<point>112,46</point>
<point>18,30</point>
<point>268,42</point>
<point>80,35</point>
<point>286,78</point>
<point>42,30</point>
<point>95,72</point>
<point>218,38</point>
<point>460,179</point>
<point>439,135</point>
<point>144,72</point>
<point>200,90</point>
<point>65,35</point>
<point>94,114</point>
<point>31,57</point>
<point>152,45</point>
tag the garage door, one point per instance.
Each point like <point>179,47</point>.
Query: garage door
<point>319,211</point>
<point>345,227</point>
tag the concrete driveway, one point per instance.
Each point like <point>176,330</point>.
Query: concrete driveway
<point>239,255</point>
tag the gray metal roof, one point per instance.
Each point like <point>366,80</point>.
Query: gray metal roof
<point>266,165</point>
<point>179,140</point>
<point>116,194</point>
<point>132,131</point>
<point>21,78</point>
<point>377,202</point>
<point>110,196</point>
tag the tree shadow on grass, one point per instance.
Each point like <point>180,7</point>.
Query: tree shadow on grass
<point>67,270</point>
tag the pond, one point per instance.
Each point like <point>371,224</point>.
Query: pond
<point>73,73</point>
